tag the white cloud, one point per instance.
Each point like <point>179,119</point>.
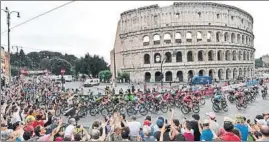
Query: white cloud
<point>90,26</point>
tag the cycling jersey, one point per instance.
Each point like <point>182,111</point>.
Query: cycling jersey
<point>218,96</point>
<point>130,97</point>
<point>187,98</point>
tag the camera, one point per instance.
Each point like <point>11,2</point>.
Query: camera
<point>167,128</point>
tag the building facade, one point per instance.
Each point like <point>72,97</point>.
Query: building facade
<point>190,38</point>
<point>4,65</point>
<point>265,59</point>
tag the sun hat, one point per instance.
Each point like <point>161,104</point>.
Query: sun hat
<point>239,119</point>
<point>212,115</point>
<point>261,121</point>
<point>206,121</point>
<point>228,119</point>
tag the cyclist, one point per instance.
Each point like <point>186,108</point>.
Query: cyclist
<point>238,94</point>
<point>187,98</point>
<point>218,95</point>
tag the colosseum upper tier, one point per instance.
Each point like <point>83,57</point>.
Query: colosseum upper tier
<point>183,40</point>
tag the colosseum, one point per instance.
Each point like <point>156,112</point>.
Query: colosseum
<point>183,40</point>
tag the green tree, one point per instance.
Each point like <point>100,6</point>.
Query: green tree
<point>258,63</point>
<point>45,64</point>
<point>57,64</point>
<point>14,71</point>
<point>105,75</point>
<point>78,66</point>
<point>35,57</point>
<point>124,76</point>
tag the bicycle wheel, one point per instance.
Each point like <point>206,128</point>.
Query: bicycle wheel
<point>164,107</point>
<point>238,105</point>
<point>225,107</point>
<point>178,102</point>
<point>202,101</point>
<point>130,110</point>
<point>92,111</point>
<point>122,109</point>
<point>171,103</point>
<point>212,99</point>
<point>196,108</point>
<point>230,98</point>
<point>185,109</point>
<point>104,112</point>
<point>151,107</point>
<point>215,107</point>
<point>245,105</point>
<point>143,110</point>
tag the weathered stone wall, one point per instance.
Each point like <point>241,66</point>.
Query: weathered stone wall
<point>222,32</point>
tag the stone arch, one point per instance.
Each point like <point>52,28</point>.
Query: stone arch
<point>189,56</point>
<point>218,36</point>
<point>201,73</point>
<point>190,74</point>
<point>146,59</point>
<point>167,38</point>
<point>179,57</point>
<point>247,56</point>
<point>227,55</point>
<point>245,72</point>
<point>211,55</point>
<point>220,55</point>
<point>178,38</point>
<point>228,74</point>
<point>199,36</point>
<point>235,73</point>
<point>247,40</point>
<point>146,40</point>
<point>234,55</point>
<point>243,39</point>
<point>147,77</point>
<point>226,37</point>
<point>168,76</point>
<point>156,56</point>
<point>240,72</point>
<point>156,39</point>
<point>200,55</point>
<point>211,73</point>
<point>239,55</point>
<point>233,38</point>
<point>168,56</point>
<point>220,74</point>
<point>244,55</point>
<point>209,36</point>
<point>180,76</point>
<point>238,38</point>
<point>248,70</point>
<point>189,37</point>
<point>158,76</point>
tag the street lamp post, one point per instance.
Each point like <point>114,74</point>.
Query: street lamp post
<point>8,35</point>
<point>158,59</point>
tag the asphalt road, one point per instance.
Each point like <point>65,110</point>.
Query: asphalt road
<point>257,107</point>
